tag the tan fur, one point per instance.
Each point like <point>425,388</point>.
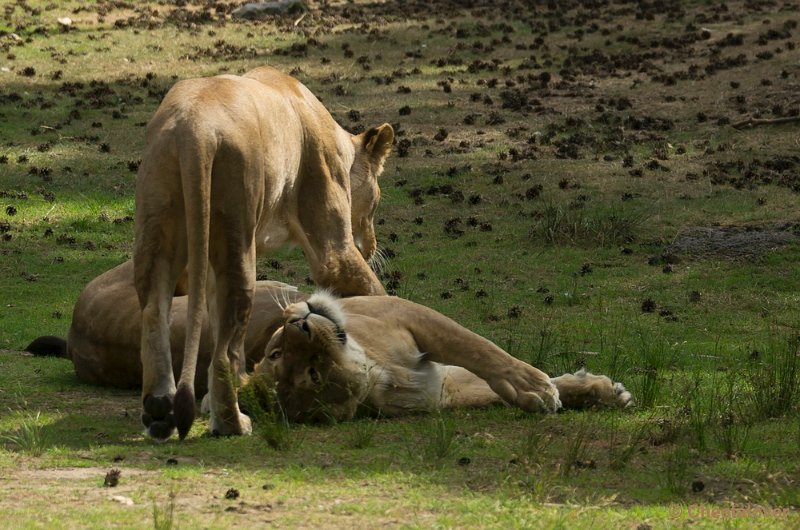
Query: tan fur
<point>402,357</point>
<point>103,340</point>
<point>234,166</point>
<point>378,368</point>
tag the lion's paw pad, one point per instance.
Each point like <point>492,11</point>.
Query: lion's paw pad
<point>158,417</point>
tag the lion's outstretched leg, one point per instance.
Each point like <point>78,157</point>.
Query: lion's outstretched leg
<point>462,388</point>
<point>447,342</point>
<point>515,381</point>
<point>583,390</point>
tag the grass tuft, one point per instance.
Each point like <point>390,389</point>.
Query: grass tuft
<point>576,447</point>
<point>30,436</point>
<point>260,401</point>
<point>570,224</point>
<point>362,433</point>
<point>440,438</point>
<point>732,418</point>
<point>774,378</point>
<point>623,443</point>
<point>164,516</point>
<point>653,357</point>
<point>534,442</point>
<point>677,471</point>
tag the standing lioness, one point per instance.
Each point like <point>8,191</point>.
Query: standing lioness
<point>235,166</point>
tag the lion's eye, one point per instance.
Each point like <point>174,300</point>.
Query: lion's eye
<point>314,376</point>
<point>275,354</point>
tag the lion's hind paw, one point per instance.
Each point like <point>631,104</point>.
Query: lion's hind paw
<point>624,398</point>
<point>158,417</point>
<point>583,390</point>
<point>238,425</point>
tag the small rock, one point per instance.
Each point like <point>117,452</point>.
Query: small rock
<point>261,9</point>
<point>125,501</point>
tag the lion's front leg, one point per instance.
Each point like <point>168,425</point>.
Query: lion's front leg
<point>234,285</point>
<point>328,243</point>
<point>446,342</point>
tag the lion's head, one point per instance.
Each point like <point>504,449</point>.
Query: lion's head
<point>320,374</point>
<point>371,150</point>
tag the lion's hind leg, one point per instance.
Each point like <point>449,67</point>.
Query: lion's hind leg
<point>583,390</point>
<point>233,261</point>
<point>158,260</point>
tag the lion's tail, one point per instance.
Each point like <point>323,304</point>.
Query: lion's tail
<point>196,159</point>
<point>48,346</point>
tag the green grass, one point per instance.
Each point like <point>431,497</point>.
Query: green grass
<point>552,258</point>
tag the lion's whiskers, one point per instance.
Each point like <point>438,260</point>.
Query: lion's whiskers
<point>285,300</point>
<point>378,261</point>
<point>281,298</point>
<point>274,296</point>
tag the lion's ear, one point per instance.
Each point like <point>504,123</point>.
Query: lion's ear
<point>378,143</point>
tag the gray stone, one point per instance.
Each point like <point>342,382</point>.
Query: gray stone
<point>261,9</point>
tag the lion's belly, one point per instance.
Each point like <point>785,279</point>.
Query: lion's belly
<point>272,235</point>
<point>402,380</point>
<point>400,390</point>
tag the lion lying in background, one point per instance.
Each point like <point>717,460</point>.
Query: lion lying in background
<point>332,356</point>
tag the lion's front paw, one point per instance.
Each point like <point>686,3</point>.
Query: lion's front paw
<point>542,401</point>
<point>528,388</point>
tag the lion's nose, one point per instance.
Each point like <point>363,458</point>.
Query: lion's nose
<point>302,324</point>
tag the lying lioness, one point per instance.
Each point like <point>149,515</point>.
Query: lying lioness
<point>329,356</point>
<point>391,356</point>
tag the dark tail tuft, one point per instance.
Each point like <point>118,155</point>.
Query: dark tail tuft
<point>184,410</point>
<point>48,346</point>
